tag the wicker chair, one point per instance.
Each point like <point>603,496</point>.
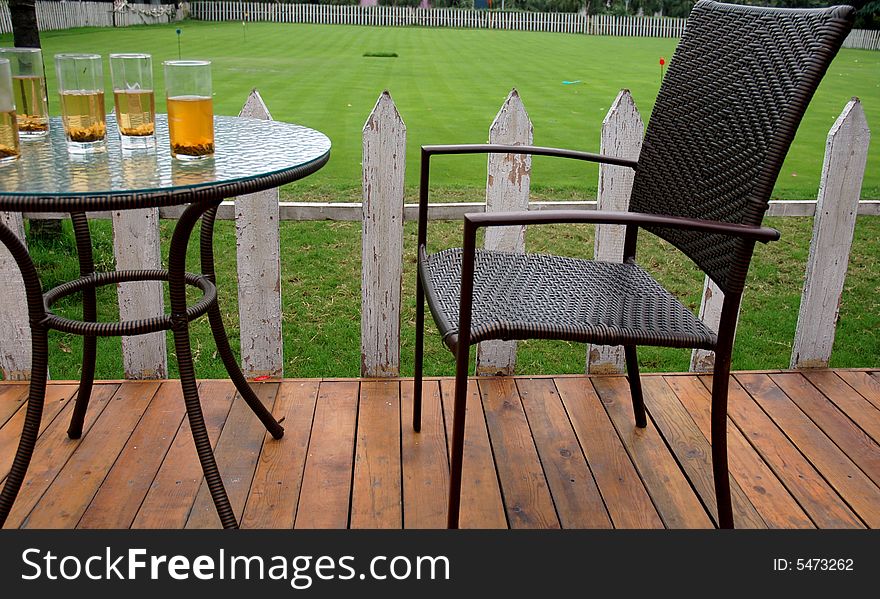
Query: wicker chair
<point>728,109</point>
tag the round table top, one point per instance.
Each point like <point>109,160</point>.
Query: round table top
<point>250,155</point>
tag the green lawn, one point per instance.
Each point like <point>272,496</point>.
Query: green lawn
<point>449,84</point>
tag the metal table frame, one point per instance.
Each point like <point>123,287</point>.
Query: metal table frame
<point>202,203</point>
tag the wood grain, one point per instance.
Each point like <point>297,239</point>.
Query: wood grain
<point>73,489</point>
<point>847,479</point>
<point>575,494</point>
<point>769,496</point>
<point>274,494</point>
<point>116,503</point>
<point>326,488</point>
<point>670,491</point>
<point>862,381</point>
<point>237,453</point>
<point>626,498</point>
<point>424,459</point>
<point>173,490</point>
<point>481,503</point>
<point>694,452</point>
<point>852,403</point>
<point>526,495</point>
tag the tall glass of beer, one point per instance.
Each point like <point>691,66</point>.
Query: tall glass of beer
<point>81,87</point>
<point>29,87</point>
<point>132,76</point>
<point>190,108</point>
<point>9,150</point>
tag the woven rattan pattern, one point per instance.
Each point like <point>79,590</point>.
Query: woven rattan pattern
<point>527,296</point>
<point>727,111</point>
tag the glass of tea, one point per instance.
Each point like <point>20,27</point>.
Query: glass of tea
<point>132,76</point>
<point>81,87</point>
<point>29,88</point>
<point>190,108</point>
<point>8,127</point>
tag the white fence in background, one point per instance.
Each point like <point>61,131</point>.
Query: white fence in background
<point>383,214</point>
<point>67,15</point>
<point>404,16</point>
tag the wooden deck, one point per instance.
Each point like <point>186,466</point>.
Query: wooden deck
<point>541,452</point>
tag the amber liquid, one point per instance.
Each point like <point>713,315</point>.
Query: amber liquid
<point>31,106</point>
<point>83,115</point>
<point>191,126</point>
<point>9,149</point>
<point>135,111</point>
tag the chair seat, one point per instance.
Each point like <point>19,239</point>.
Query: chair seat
<point>527,296</point>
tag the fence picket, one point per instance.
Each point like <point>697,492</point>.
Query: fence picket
<point>846,154</point>
<point>507,189</point>
<point>258,247</point>
<point>622,132</point>
<point>15,329</point>
<point>384,164</point>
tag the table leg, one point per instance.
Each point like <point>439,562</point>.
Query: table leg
<point>180,327</point>
<point>219,331</point>
<point>90,314</point>
<point>39,366</point>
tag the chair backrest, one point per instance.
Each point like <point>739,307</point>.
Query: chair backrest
<point>727,111</point>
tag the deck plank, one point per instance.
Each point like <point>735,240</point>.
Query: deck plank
<point>57,397</point>
<point>575,494</point>
<point>818,499</point>
<point>802,454</point>
<point>852,405</point>
<point>116,503</point>
<point>376,492</point>
<point>425,461</point>
<point>326,488</point>
<point>852,439</point>
<point>769,496</point>
<point>481,503</point>
<point>862,381</point>
<point>173,490</point>
<point>12,397</point>
<point>52,451</point>
<point>274,493</point>
<point>672,494</point>
<point>523,484</point>
<point>623,492</point>
<point>694,452</point>
<point>237,454</point>
<point>73,489</point>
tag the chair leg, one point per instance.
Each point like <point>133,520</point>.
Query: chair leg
<point>420,355</point>
<point>720,384</point>
<point>458,421</point>
<point>635,385</point>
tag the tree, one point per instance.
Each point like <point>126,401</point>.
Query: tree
<point>26,34</point>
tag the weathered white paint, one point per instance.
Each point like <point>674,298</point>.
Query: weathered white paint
<point>136,246</point>
<point>622,133</point>
<point>384,163</point>
<point>258,247</point>
<point>353,211</point>
<point>703,360</point>
<point>846,153</point>
<point>15,330</point>
<point>507,189</point>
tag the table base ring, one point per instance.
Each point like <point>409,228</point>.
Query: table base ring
<point>127,328</point>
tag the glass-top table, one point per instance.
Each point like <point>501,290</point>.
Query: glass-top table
<point>251,155</point>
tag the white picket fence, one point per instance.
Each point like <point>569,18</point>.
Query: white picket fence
<point>67,15</point>
<point>383,212</point>
<point>404,16</point>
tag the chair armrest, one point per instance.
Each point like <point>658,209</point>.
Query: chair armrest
<point>502,219</point>
<point>431,150</point>
<point>428,151</point>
